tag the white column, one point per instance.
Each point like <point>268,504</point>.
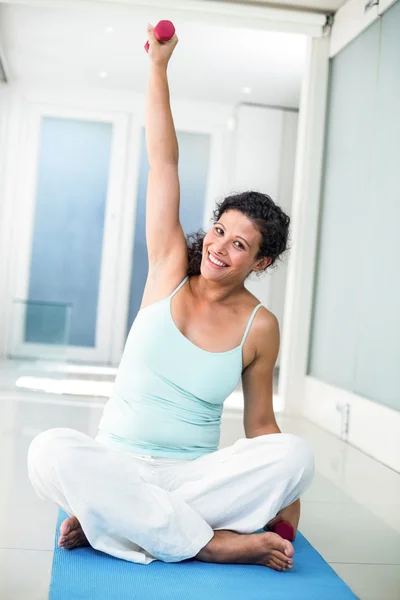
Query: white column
<point>256,165</point>
<point>305,213</point>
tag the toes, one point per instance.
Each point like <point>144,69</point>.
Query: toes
<point>68,537</point>
<point>280,545</point>
<point>65,528</point>
<point>72,535</point>
<point>280,556</point>
<point>66,545</point>
<point>274,564</point>
<point>288,549</point>
<point>71,540</point>
<point>77,537</point>
<point>279,565</point>
<point>282,561</point>
<point>68,525</point>
<point>72,544</point>
<point>63,542</point>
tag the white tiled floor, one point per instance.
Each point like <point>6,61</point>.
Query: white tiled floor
<point>351,514</point>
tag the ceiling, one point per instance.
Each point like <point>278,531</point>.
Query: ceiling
<point>330,6</point>
<point>100,46</point>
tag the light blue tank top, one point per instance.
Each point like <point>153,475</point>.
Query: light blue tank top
<point>168,394</point>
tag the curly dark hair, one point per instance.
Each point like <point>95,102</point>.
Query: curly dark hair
<point>270,220</point>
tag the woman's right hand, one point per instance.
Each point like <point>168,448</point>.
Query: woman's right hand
<point>160,52</point>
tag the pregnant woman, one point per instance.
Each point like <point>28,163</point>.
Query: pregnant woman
<point>153,484</point>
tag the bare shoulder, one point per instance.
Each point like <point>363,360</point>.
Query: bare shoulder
<point>264,319</point>
<point>266,326</point>
<point>264,335</point>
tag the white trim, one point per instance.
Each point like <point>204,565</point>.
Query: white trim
<point>127,241</point>
<point>373,427</point>
<point>229,14</point>
<point>305,213</point>
<point>384,5</point>
<point>350,20</point>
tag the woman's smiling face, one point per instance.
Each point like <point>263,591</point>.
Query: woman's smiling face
<point>233,241</point>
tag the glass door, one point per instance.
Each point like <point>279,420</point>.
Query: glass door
<point>69,250</point>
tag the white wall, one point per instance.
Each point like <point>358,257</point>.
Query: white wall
<point>284,198</point>
<point>270,133</point>
<point>352,386</point>
<point>263,158</point>
<point>371,427</point>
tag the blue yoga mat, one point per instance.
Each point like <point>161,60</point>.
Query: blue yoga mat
<point>86,574</point>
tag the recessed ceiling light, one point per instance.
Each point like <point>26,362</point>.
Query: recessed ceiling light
<point>103,74</point>
<point>109,29</point>
<point>246,90</point>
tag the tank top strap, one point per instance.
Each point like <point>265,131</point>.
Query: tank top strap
<point>253,314</point>
<point>179,287</point>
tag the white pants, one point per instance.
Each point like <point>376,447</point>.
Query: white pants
<point>142,508</point>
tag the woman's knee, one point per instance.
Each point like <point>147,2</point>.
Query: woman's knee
<point>47,447</point>
<point>300,459</point>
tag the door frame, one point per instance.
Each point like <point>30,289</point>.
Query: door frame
<point>25,196</point>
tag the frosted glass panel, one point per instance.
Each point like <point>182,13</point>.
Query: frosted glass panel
<point>356,323</point>
<point>49,324</point>
<point>67,242</point>
<point>343,250</point>
<point>378,360</point>
<point>194,150</point>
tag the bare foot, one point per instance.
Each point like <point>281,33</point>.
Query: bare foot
<point>291,514</point>
<point>72,535</point>
<point>267,549</point>
<point>276,552</point>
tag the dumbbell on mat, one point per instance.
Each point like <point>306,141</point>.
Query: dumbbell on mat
<point>284,529</point>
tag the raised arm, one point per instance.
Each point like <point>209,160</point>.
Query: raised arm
<point>164,234</point>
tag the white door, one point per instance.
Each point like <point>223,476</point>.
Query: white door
<point>69,206</point>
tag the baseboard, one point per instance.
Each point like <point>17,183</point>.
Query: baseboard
<point>369,426</point>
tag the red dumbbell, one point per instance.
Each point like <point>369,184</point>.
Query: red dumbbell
<point>163,31</point>
<point>284,529</point>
